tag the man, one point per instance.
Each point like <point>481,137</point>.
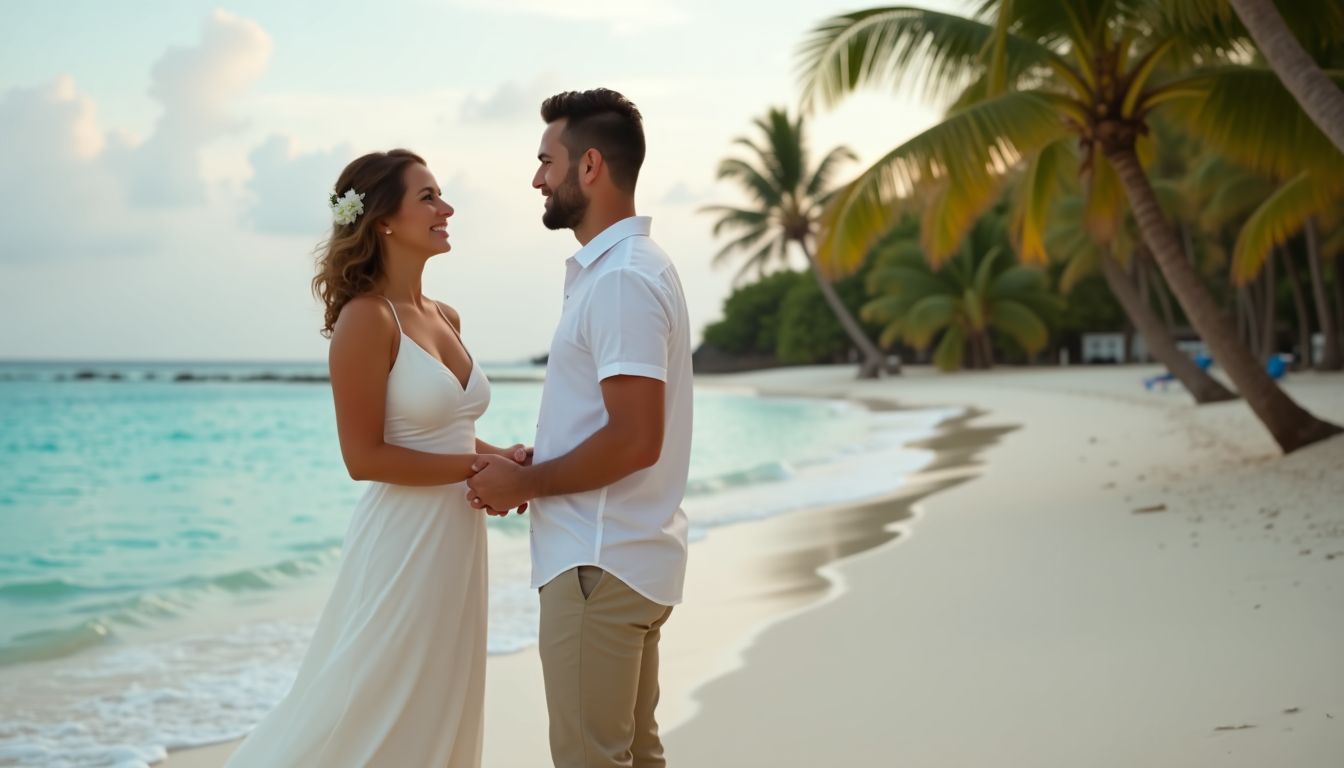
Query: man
<point>613,445</point>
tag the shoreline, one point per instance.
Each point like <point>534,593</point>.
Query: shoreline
<point>744,578</point>
<point>1131,580</point>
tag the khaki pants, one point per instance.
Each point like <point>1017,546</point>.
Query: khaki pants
<point>599,657</point>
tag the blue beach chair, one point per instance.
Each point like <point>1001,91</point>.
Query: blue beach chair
<point>1202,360</point>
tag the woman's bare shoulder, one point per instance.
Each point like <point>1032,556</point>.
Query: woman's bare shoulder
<point>366,314</point>
<point>451,314</point>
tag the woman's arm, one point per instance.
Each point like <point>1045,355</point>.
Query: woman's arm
<point>363,348</point>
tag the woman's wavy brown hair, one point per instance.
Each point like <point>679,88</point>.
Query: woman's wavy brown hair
<point>350,261</point>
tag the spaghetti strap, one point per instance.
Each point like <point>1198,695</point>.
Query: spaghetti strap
<point>470,360</point>
<point>451,327</point>
<point>394,313</point>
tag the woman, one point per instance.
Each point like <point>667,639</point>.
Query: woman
<point>395,674</point>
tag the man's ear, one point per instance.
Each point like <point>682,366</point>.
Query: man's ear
<point>590,166</point>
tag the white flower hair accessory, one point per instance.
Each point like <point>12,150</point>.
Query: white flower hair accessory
<point>346,208</point>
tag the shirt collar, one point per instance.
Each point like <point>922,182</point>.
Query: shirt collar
<point>609,237</point>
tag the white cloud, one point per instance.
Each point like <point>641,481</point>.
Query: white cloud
<point>289,188</point>
<point>63,199</point>
<point>510,101</point>
<point>507,102</point>
<point>680,194</point>
<point>84,188</point>
<point>197,87</point>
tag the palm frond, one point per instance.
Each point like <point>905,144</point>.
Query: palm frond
<point>1051,19</point>
<point>757,184</point>
<point>951,349</point>
<point>984,271</point>
<point>902,282</point>
<point>1233,199</point>
<point>898,46</point>
<point>926,317</point>
<point>731,217</point>
<point>1105,203</point>
<point>1211,26</point>
<point>950,210</point>
<point>1332,247</point>
<point>1246,114</point>
<point>1280,217</point>
<point>744,242</point>
<point>969,151</point>
<point>882,308</point>
<point>1020,322</point>
<point>1068,241</point>
<point>1046,174</point>
<point>819,186</point>
<point>1017,281</point>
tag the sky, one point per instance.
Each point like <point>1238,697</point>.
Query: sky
<point>166,163</point>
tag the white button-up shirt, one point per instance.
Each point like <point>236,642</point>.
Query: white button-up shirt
<point>624,314</point>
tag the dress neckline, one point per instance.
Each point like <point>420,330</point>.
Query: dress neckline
<point>470,360</point>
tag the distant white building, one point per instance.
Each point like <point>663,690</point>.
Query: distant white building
<point>1109,347</point>
<point>1103,347</point>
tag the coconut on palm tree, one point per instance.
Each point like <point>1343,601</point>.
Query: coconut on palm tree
<point>1034,76</point>
<point>787,196</point>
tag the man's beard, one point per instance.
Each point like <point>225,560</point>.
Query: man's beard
<point>568,205</point>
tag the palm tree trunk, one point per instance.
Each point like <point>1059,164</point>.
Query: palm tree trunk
<point>872,356</point>
<point>1339,293</point>
<point>1268,345</point>
<point>1201,386</point>
<point>1330,357</point>
<point>1163,297</point>
<point>1291,425</point>
<point>1245,312</point>
<point>1320,98</point>
<point>986,349</point>
<point>1300,307</point>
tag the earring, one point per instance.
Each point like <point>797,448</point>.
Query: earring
<point>387,231</point>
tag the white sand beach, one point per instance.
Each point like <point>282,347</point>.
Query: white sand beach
<point>1092,575</point>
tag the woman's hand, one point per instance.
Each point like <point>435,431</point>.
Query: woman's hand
<point>519,454</point>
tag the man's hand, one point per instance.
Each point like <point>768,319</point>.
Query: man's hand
<point>499,484</point>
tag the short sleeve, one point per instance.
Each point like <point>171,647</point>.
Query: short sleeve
<point>627,326</point>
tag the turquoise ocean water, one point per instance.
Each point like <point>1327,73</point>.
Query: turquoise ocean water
<point>166,528</point>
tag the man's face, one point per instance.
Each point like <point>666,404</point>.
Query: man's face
<point>558,181</point>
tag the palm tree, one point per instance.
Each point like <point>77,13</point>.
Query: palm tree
<point>1073,236</point>
<point>1320,22</point>
<point>1269,216</point>
<point>1067,239</point>
<point>1035,75</point>
<point>787,199</point>
<point>975,294</point>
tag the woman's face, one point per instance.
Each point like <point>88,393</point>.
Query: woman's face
<point>421,223</point>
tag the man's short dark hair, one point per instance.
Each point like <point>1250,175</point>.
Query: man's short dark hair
<point>604,120</point>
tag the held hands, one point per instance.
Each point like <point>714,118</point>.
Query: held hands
<point>519,453</point>
<point>497,483</point>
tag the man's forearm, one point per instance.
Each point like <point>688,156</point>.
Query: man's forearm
<point>604,458</point>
